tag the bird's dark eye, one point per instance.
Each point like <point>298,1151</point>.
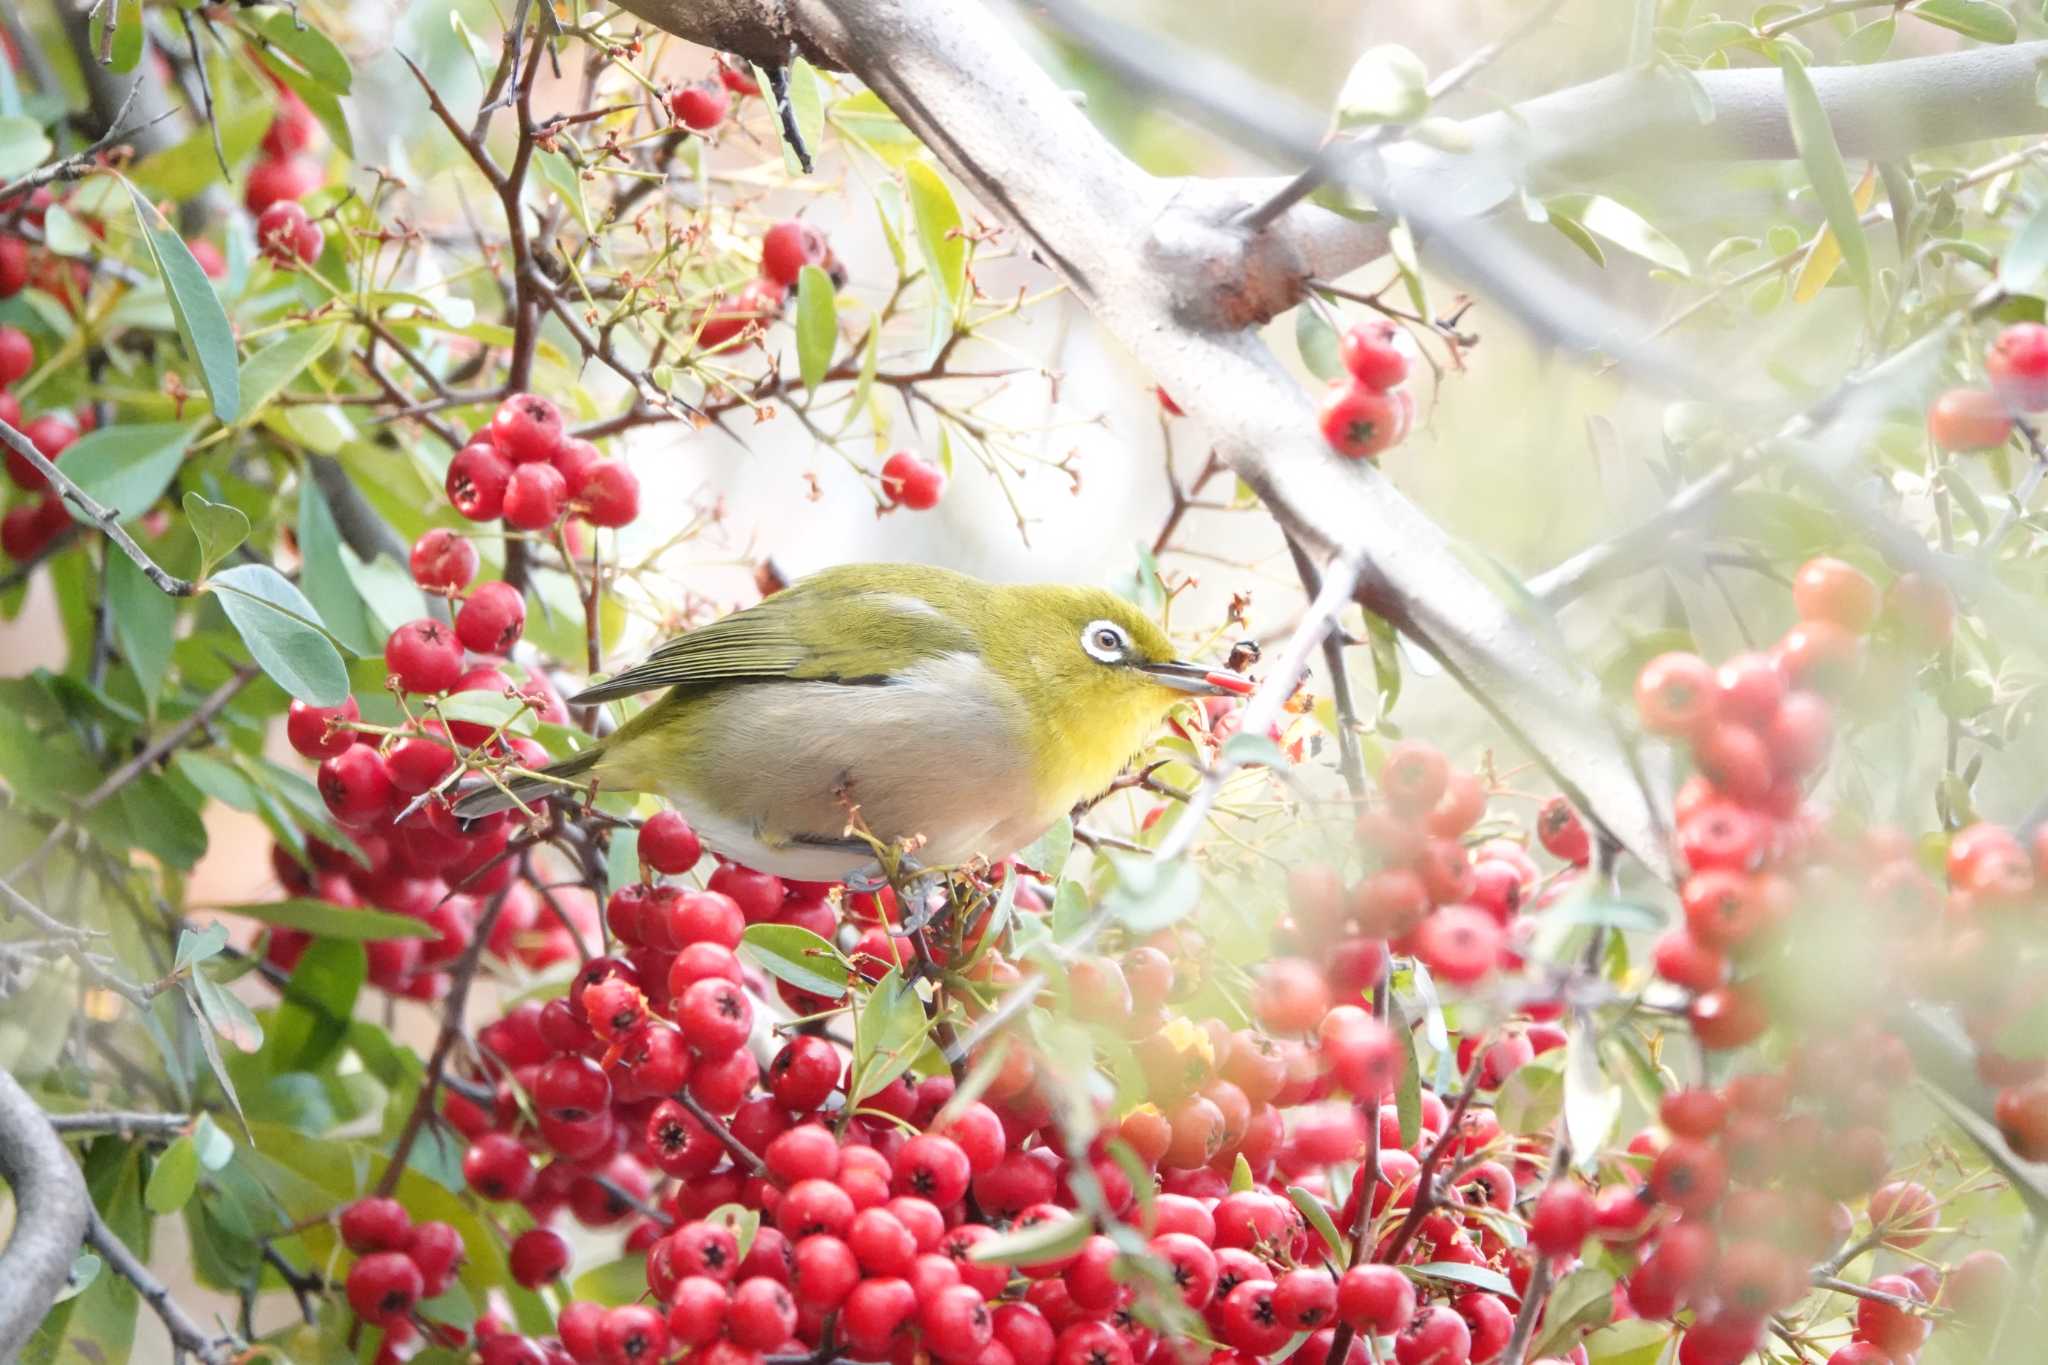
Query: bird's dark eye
<point>1105,641</point>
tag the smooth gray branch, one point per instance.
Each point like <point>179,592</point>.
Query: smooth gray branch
<point>51,1208</point>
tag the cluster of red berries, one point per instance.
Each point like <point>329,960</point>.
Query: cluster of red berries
<point>283,174</point>
<point>526,469</point>
<point>1368,412</point>
<point>388,787</point>
<point>1759,728</point>
<point>31,524</point>
<point>398,1262</point>
<point>2016,364</point>
<point>702,105</point>
<point>786,248</point>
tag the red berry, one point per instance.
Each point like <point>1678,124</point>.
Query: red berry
<point>1676,694</point>
<point>908,481</point>
<point>383,1287</point>
<point>874,1313</point>
<point>1968,419</point>
<point>477,478</point>
<point>1829,590</point>
<point>1905,1210</point>
<point>668,844</point>
<point>356,786</point>
<point>804,1073</point>
<point>714,1016</point>
<point>436,1248</point>
<point>1434,1336</point>
<point>609,494</point>
<point>1359,421</point>
<point>498,1167</point>
<point>288,237</point>
<point>527,428</point>
<point>735,79</point>
<point>788,247</point>
<point>293,129</point>
<point>931,1168</point>
<point>573,1089</point>
<point>762,1315</point>
<point>492,620</point>
<point>13,266</point>
<point>632,1335</point>
<point>823,1270</point>
<point>1728,1017</point>
<point>1562,1218</point>
<point>956,1324</point>
<point>538,1256</point>
<point>17,354</point>
<point>576,457</point>
<point>534,496</point>
<point>312,730</point>
<point>697,1308</point>
<point>1371,356</point>
<point>30,526</point>
<point>2017,364</point>
<point>375,1224</point>
<point>424,656</point>
<point>1460,944</point>
<point>280,178</point>
<point>1562,833</point>
<point>51,435</point>
<point>443,561</point>
<point>1898,1331</point>
<point>700,108</point>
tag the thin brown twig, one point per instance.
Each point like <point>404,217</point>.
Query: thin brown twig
<point>107,519</point>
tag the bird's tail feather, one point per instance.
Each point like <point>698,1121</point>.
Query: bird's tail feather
<point>488,800</point>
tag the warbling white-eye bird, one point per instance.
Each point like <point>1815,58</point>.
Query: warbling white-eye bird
<point>966,714</point>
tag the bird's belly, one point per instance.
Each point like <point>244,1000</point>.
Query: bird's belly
<point>780,770</point>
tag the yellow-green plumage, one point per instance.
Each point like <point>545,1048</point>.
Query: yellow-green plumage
<point>965,714</point>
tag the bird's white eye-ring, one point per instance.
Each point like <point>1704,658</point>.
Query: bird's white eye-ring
<point>1105,641</point>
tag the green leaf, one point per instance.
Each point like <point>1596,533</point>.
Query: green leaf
<point>156,816</point>
<point>1319,1219</point>
<point>197,945</point>
<point>128,35</point>
<point>63,234</point>
<point>312,1021</point>
<point>865,120</point>
<point>216,1148</point>
<point>2025,258</point>
<point>1979,19</point>
<point>1871,42</point>
<point>313,50</point>
<point>561,177</point>
<point>492,709</point>
<point>1623,226</point>
<point>325,920</point>
<point>1052,1240</point>
<point>324,103</point>
<point>330,579</point>
<point>1150,895</point>
<point>1577,235</point>
<point>173,1179</point>
<point>1592,1100</point>
<point>1241,1178</point>
<point>23,146</point>
<point>211,1047</point>
<point>1582,1301</point>
<point>1479,1277</point>
<point>1823,161</point>
<point>1637,1341</point>
<point>614,1283</point>
<point>1387,84</point>
<point>265,374</point>
<point>792,953</point>
<point>817,325</point>
<point>282,631</point>
<point>219,529</point>
<point>127,467</point>
<point>202,323</point>
<point>888,1034</point>
<point>1047,854</point>
<point>1533,1096</point>
<point>85,1268</point>
<point>1408,1094</point>
<point>1317,341</point>
<point>938,224</point>
<point>223,1009</point>
<point>145,622</point>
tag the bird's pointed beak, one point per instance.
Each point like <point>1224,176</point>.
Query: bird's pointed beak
<point>1199,679</point>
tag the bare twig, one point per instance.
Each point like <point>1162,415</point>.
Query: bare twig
<point>127,1123</point>
<point>187,1336</point>
<point>106,518</point>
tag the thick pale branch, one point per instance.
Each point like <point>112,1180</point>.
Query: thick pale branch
<point>51,1210</point>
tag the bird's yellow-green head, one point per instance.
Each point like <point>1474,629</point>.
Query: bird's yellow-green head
<point>1096,675</point>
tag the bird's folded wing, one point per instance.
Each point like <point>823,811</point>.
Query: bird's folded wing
<point>817,634</point>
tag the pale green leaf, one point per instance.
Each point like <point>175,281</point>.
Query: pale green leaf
<point>127,466</point>
<point>202,324</point>
<point>1823,160</point>
<point>283,633</point>
<point>817,325</point>
<point>219,529</point>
